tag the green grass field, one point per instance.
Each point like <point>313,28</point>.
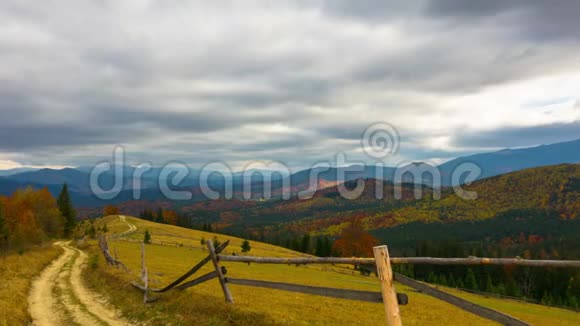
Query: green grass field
<point>204,304</point>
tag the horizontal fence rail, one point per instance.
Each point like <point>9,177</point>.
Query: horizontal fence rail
<point>482,311</point>
<point>404,260</point>
<point>368,296</point>
<point>388,296</point>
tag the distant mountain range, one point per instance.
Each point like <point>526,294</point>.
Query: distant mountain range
<point>78,179</point>
<point>511,160</point>
<point>8,172</point>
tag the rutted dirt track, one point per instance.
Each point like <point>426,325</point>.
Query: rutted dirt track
<point>59,296</point>
<point>132,227</point>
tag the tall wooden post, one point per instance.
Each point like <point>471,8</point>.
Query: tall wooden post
<point>385,274</point>
<point>221,277</point>
<point>144,274</point>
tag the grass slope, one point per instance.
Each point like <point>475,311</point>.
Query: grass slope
<point>204,304</point>
<point>534,313</point>
<point>17,272</point>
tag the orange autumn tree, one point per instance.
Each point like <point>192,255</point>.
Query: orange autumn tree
<point>29,217</point>
<point>354,240</point>
<point>170,217</point>
<point>110,210</point>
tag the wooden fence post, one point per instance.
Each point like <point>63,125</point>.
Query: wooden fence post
<point>385,274</point>
<point>221,277</point>
<point>144,273</point>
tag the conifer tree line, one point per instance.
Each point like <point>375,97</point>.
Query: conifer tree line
<point>550,286</point>
<point>30,216</point>
<point>165,216</point>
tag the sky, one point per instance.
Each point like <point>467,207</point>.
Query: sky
<point>290,81</point>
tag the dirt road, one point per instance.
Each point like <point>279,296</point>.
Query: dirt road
<point>59,296</point>
<point>132,227</point>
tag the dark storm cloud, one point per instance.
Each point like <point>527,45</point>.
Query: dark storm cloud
<point>289,81</point>
<point>538,20</point>
<point>194,122</point>
<point>458,8</point>
<point>28,138</point>
<point>295,142</point>
<point>371,10</point>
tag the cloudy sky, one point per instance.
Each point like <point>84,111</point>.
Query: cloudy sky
<point>294,81</point>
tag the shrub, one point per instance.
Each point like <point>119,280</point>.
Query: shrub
<point>246,246</point>
<point>147,237</point>
<point>94,261</point>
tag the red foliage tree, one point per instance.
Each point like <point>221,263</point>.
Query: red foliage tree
<point>110,210</point>
<point>354,240</point>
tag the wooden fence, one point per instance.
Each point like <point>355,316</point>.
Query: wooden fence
<point>388,295</point>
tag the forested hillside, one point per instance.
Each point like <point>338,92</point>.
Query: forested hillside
<point>552,189</point>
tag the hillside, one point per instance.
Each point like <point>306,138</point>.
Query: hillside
<point>170,256</point>
<point>552,189</point>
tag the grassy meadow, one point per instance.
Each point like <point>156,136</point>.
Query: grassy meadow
<point>171,254</point>
<point>17,271</point>
<point>204,304</point>
<point>534,313</point>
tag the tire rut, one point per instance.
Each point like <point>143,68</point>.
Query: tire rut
<point>59,295</point>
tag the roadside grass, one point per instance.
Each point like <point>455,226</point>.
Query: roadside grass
<point>205,305</point>
<point>533,313</point>
<point>17,271</point>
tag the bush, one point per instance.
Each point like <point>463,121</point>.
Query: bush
<point>147,237</point>
<point>94,261</point>
<point>216,242</point>
<point>246,246</point>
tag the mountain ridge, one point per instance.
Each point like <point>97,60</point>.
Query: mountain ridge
<point>491,163</point>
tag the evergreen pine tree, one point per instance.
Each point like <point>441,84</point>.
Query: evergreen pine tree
<point>442,280</point>
<point>451,281</point>
<point>67,210</point>
<point>512,289</point>
<point>159,217</point>
<point>431,278</point>
<point>305,243</point>
<point>546,299</point>
<point>318,248</point>
<point>246,246</point>
<point>573,302</point>
<point>147,237</point>
<point>471,281</point>
<point>500,289</point>
<point>489,285</point>
<point>91,231</point>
